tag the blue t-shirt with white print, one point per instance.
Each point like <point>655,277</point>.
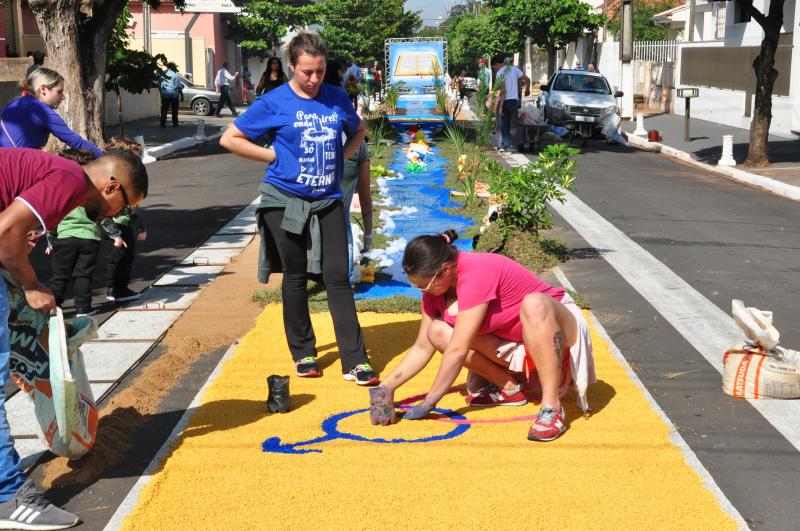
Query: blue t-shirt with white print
<point>308,138</point>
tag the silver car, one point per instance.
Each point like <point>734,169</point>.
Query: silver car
<point>577,96</point>
<point>201,100</point>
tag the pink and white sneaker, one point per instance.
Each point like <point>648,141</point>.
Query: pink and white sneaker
<point>548,425</point>
<point>497,397</point>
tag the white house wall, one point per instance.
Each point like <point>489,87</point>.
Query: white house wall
<point>750,33</point>
<point>727,106</point>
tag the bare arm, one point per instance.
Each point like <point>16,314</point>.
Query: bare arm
<point>354,140</point>
<point>467,325</point>
<point>237,143</point>
<point>416,358</point>
<point>16,222</point>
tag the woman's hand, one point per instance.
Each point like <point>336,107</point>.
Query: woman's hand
<point>237,143</point>
<point>419,411</point>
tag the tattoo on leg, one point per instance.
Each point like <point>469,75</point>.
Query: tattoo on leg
<point>558,345</point>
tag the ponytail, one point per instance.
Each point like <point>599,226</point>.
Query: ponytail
<point>41,76</point>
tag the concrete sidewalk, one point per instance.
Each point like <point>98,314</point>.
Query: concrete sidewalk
<point>705,147</point>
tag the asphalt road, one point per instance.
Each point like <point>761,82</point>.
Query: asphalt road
<point>727,241</point>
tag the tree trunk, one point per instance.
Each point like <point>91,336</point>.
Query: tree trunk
<point>76,48</point>
<point>764,66</point>
<point>120,115</point>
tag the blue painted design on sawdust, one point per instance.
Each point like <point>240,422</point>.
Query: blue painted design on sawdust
<point>330,427</point>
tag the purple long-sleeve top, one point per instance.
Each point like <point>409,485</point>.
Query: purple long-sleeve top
<point>29,122</point>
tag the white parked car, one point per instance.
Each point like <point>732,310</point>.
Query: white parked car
<point>572,96</point>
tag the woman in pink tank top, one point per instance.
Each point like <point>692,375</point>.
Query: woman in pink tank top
<point>472,305</point>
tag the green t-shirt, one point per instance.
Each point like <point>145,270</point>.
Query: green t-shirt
<point>77,225</point>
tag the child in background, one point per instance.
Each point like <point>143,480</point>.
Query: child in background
<point>74,248</point>
<point>125,230</point>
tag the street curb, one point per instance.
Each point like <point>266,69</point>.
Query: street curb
<point>154,153</point>
<point>776,187</point>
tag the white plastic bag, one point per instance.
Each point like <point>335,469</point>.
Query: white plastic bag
<point>49,369</point>
<point>756,324</point>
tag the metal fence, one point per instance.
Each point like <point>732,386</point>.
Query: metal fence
<point>655,51</point>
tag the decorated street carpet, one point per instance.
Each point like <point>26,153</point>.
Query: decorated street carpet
<point>324,466</point>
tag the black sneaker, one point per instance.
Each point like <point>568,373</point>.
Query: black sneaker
<point>122,294</point>
<point>29,509</point>
<point>307,367</point>
<point>82,312</point>
<point>362,374</point>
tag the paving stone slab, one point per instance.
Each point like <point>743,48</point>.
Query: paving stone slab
<point>190,275</point>
<point>137,326</point>
<point>109,361</point>
<point>244,225</point>
<point>29,450</point>
<point>21,415</point>
<point>223,241</point>
<point>165,298</point>
<point>98,389</point>
<point>202,257</point>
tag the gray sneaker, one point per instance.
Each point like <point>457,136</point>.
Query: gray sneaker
<point>30,510</point>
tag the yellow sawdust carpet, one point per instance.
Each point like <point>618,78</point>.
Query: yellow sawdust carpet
<point>614,470</point>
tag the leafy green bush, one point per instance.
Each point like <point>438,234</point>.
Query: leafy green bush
<point>526,190</point>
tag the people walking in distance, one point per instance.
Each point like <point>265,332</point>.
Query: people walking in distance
<point>171,88</point>
<point>273,77</point>
<point>222,82</point>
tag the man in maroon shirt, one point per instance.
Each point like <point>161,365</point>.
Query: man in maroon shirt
<point>37,190</point>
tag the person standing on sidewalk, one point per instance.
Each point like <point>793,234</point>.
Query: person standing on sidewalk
<point>171,87</point>
<point>37,190</point>
<point>511,76</point>
<point>301,201</point>
<point>223,85</point>
<point>28,121</point>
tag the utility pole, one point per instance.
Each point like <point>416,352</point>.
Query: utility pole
<point>691,19</point>
<point>148,46</point>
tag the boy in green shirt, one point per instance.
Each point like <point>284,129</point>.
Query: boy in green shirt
<point>74,258</point>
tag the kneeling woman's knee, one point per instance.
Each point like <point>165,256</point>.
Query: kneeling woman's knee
<point>439,334</point>
<point>536,307</point>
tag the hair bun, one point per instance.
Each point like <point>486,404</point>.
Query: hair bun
<point>450,236</point>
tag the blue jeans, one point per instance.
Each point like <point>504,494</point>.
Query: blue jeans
<point>11,475</point>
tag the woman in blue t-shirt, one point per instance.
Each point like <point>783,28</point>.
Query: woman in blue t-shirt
<point>29,120</point>
<point>301,200</point>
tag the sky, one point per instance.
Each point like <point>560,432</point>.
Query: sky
<point>431,9</point>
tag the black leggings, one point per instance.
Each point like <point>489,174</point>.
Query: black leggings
<point>296,318</point>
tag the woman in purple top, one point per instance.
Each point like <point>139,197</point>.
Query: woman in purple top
<point>29,120</point>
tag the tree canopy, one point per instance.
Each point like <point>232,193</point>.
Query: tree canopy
<point>357,29</point>
<point>644,29</point>
<point>262,24</point>
<point>471,37</point>
<point>550,24</point>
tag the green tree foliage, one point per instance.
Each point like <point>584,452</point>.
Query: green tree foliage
<point>357,29</point>
<point>126,69</point>
<point>471,37</point>
<point>264,23</point>
<point>644,29</point>
<point>550,24</point>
